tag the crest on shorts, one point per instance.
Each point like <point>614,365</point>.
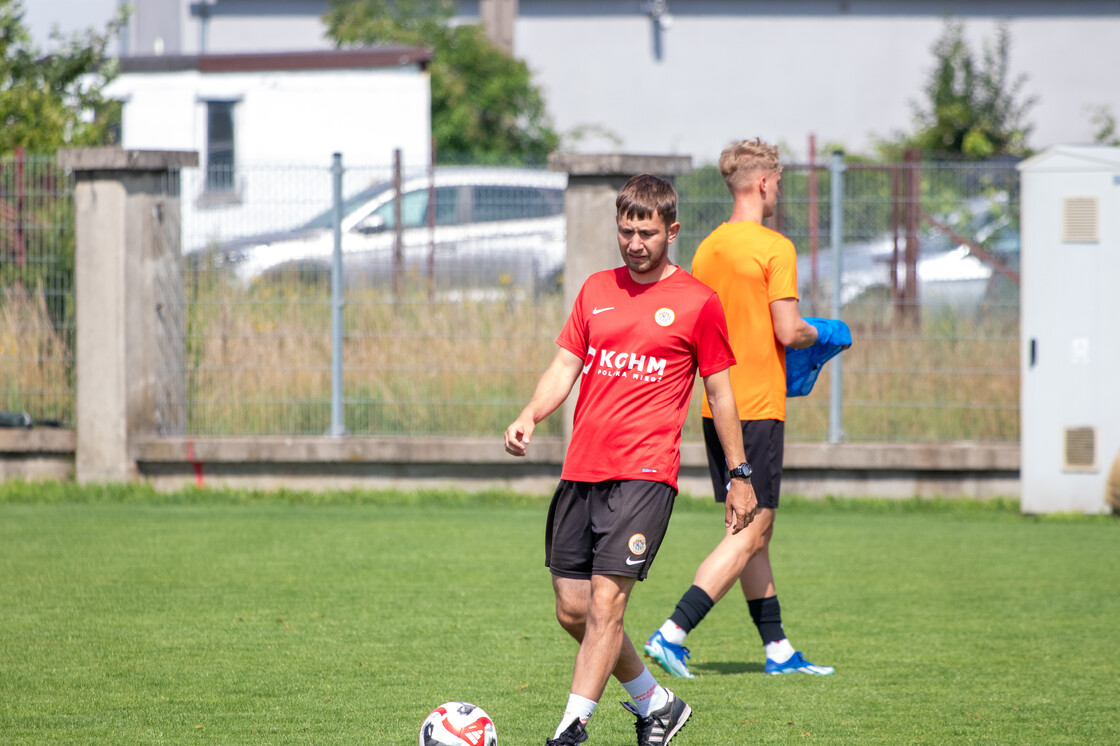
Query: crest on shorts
<point>664,316</point>
<point>637,544</point>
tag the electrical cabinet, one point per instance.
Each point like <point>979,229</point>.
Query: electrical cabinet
<point>1070,328</point>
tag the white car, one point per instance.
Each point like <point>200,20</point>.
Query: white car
<point>490,226</point>
<point>949,273</point>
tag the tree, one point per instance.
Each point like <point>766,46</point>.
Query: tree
<point>1104,125</point>
<point>484,103</point>
<point>973,107</point>
<point>54,100</point>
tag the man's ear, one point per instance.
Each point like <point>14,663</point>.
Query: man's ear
<point>674,229</point>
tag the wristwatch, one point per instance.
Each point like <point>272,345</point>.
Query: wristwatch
<point>742,471</point>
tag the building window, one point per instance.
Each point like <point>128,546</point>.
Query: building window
<point>219,146</point>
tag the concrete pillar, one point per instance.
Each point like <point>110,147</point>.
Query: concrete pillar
<point>123,254</point>
<point>592,243</point>
<point>499,18</point>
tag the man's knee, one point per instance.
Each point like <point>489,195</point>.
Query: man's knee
<point>571,616</point>
<point>608,599</point>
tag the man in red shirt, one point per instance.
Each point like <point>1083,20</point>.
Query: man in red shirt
<point>635,339</point>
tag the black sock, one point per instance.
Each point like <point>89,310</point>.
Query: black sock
<point>693,606</point>
<point>767,616</point>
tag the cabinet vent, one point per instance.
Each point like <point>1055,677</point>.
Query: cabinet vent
<point>1080,449</point>
<point>1080,220</point>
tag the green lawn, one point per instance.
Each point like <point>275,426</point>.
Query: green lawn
<point>128,617</point>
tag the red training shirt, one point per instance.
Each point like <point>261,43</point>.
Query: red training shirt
<point>642,346</point>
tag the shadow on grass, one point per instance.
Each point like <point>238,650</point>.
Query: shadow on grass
<point>727,668</point>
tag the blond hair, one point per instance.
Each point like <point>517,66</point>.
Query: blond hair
<point>740,160</point>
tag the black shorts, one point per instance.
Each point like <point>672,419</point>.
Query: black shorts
<point>764,442</point>
<point>606,528</point>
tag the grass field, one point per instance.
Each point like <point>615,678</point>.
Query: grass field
<point>130,617</point>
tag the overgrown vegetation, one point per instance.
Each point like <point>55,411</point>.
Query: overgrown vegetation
<point>259,364</point>
<point>972,106</point>
<point>54,99</point>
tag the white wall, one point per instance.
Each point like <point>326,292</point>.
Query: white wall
<point>846,79</point>
<point>846,71</point>
<point>287,125</point>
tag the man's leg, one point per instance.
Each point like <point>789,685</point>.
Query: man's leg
<point>716,575</point>
<point>591,611</point>
<point>757,582</point>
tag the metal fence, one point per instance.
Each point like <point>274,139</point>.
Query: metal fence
<point>452,297</point>
<point>929,284</point>
<point>36,292</point>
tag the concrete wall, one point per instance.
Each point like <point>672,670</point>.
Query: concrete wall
<point>813,470</point>
<point>897,471</point>
<point>283,115</point>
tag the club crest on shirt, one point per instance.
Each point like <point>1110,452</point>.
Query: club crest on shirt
<point>637,544</point>
<point>664,316</point>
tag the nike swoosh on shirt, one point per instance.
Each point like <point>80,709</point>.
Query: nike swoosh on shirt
<point>630,561</point>
<point>597,311</point>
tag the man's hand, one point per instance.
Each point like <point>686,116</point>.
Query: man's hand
<point>741,505</point>
<point>519,434</point>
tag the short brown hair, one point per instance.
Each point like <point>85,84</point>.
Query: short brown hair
<point>646,195</point>
<point>741,159</point>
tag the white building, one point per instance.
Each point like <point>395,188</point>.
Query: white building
<point>686,76</point>
<point>247,114</point>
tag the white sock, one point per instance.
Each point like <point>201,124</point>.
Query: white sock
<point>672,632</point>
<point>579,708</point>
<point>780,651</point>
<point>646,693</point>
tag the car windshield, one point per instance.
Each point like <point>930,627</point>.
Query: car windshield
<point>326,219</point>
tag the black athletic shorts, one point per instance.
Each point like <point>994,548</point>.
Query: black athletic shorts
<point>606,528</point>
<point>764,442</point>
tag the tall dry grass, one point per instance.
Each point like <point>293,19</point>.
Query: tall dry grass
<point>259,360</point>
<point>36,358</point>
<point>259,363</point>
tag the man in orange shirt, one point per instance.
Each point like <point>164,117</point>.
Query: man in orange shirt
<point>754,271</point>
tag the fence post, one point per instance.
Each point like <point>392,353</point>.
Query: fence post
<point>910,301</point>
<point>338,424</point>
<point>398,228</point>
<point>836,400</point>
<point>120,204</point>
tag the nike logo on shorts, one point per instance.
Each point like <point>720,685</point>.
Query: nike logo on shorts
<point>597,311</point>
<point>632,561</point>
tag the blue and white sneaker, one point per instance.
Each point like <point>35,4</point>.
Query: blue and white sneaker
<point>797,664</point>
<point>669,656</point>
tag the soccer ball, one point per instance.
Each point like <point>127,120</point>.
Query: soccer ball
<point>458,724</point>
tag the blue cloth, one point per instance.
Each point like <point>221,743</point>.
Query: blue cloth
<point>803,366</point>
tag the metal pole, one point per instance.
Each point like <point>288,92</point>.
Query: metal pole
<point>338,426</point>
<point>836,229</point>
<point>814,228</point>
<point>398,229</point>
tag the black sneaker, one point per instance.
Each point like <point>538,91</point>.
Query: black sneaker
<point>574,734</point>
<point>659,727</point>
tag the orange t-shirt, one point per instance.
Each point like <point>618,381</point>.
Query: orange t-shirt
<point>750,266</point>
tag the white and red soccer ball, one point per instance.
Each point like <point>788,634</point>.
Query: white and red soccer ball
<point>458,724</point>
